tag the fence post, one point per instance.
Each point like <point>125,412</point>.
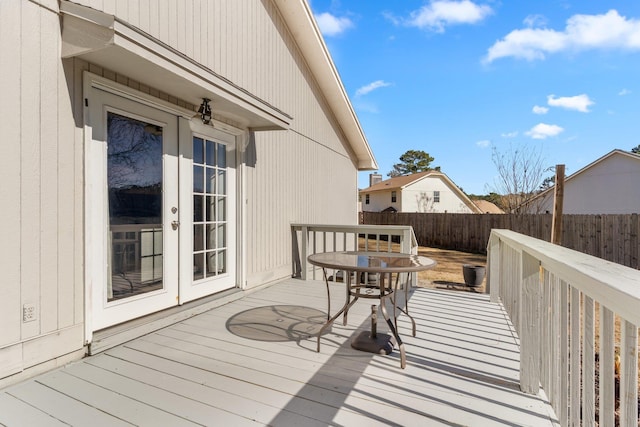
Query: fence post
<point>530,325</point>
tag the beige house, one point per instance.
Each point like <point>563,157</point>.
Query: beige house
<point>486,206</point>
<point>609,185</point>
<point>430,191</point>
<point>154,155</point>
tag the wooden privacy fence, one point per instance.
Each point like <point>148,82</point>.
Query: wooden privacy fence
<point>610,237</point>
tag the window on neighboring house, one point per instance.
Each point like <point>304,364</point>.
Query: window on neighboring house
<point>436,197</point>
<point>393,197</point>
<point>366,199</point>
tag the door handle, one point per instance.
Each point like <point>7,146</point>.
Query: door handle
<point>175,224</point>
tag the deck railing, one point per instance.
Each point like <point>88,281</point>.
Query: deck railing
<point>574,314</point>
<point>309,239</point>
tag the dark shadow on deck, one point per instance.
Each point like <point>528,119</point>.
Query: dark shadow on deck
<point>276,323</point>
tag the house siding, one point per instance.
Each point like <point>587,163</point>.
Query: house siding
<point>608,187</point>
<point>41,170</point>
<point>418,197</point>
<point>304,174</point>
<point>248,42</point>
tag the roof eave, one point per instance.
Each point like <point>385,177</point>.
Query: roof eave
<point>300,21</point>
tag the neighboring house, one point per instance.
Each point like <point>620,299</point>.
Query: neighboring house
<point>119,201</point>
<point>608,185</point>
<point>430,191</point>
<point>486,206</point>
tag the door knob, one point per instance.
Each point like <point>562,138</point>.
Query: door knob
<point>175,224</point>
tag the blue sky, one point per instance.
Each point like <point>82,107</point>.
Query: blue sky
<point>456,78</point>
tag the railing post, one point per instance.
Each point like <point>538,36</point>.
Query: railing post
<point>530,325</point>
<point>493,275</point>
<point>405,245</point>
<point>304,247</point>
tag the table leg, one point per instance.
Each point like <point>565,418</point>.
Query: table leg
<point>404,309</point>
<point>348,303</point>
<point>326,282</point>
<point>407,285</point>
<point>347,282</point>
<point>392,328</point>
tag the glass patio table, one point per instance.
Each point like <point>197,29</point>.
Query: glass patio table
<point>359,267</point>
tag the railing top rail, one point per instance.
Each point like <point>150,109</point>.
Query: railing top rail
<point>353,227</point>
<point>614,285</point>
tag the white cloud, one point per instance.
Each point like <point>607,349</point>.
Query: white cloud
<point>509,134</point>
<point>371,87</point>
<point>484,143</point>
<point>331,25</point>
<point>540,110</point>
<point>438,14</point>
<point>582,32</point>
<point>579,102</point>
<point>544,131</point>
<point>533,21</point>
<point>624,92</point>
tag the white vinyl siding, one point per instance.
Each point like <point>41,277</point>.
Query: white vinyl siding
<point>420,197</point>
<point>608,187</point>
<point>41,191</point>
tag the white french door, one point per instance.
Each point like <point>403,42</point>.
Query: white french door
<point>208,197</point>
<point>160,207</point>
<point>132,174</point>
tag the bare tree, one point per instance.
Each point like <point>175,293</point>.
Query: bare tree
<point>520,173</point>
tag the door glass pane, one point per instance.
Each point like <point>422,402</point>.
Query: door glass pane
<point>198,208</point>
<point>222,211</point>
<point>198,179</point>
<point>198,266</point>
<point>222,182</point>
<point>211,264</point>
<point>198,150</point>
<point>211,180</point>
<point>211,153</point>
<point>222,263</point>
<point>210,226</point>
<point>222,156</point>
<point>211,237</point>
<point>211,208</point>
<point>134,176</point>
<point>198,238</point>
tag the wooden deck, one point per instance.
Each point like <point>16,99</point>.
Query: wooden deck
<point>252,362</point>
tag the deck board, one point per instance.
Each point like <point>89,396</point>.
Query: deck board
<point>236,365</point>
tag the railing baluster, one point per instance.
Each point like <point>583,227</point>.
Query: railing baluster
<point>607,368</point>
<point>574,370</point>
<point>563,402</point>
<point>530,326</point>
<point>588,357</point>
<point>629,374</point>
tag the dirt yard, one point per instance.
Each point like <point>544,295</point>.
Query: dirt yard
<point>448,272</point>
